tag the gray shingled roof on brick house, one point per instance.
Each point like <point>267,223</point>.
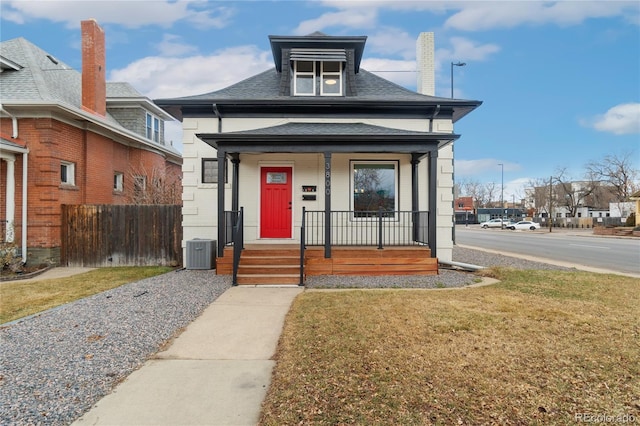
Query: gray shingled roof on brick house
<point>43,79</point>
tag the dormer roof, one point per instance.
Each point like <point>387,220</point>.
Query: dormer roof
<point>319,42</point>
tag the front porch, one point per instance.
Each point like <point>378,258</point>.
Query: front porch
<point>268,264</point>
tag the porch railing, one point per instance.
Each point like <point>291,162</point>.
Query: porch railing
<point>366,228</point>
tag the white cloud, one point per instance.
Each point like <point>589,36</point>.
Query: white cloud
<point>354,17</point>
<point>623,119</point>
<point>131,14</point>
<point>400,72</point>
<point>171,46</point>
<point>392,41</point>
<point>477,16</point>
<point>482,166</point>
<point>160,77</point>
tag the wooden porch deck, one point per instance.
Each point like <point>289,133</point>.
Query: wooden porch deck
<point>280,263</point>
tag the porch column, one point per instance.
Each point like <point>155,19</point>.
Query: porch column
<point>10,201</point>
<point>414,182</point>
<point>222,155</point>
<point>235,160</point>
<point>327,205</point>
<point>433,200</point>
<point>415,206</point>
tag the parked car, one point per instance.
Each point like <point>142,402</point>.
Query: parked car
<point>524,224</point>
<point>495,223</point>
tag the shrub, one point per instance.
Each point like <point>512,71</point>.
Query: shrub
<point>9,258</point>
<point>631,220</point>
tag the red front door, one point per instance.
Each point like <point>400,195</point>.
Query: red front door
<point>275,202</point>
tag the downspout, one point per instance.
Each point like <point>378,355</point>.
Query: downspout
<point>436,111</point>
<point>25,163</point>
<point>216,111</point>
<point>464,266</point>
<point>14,122</point>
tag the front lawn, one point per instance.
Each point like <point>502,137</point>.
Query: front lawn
<point>539,347</point>
<point>19,298</point>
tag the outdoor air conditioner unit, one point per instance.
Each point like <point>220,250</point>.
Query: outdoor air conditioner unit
<point>201,254</point>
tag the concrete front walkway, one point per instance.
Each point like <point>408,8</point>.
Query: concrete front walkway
<point>215,373</point>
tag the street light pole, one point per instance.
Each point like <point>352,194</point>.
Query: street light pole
<point>456,64</point>
<point>501,195</point>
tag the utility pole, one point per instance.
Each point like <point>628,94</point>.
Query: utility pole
<point>550,202</point>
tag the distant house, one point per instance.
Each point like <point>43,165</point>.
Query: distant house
<point>72,138</point>
<point>319,149</point>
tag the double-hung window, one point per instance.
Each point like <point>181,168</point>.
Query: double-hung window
<point>153,128</point>
<point>331,77</point>
<point>305,78</point>
<point>374,188</point>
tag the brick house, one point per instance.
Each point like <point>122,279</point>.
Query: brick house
<point>69,137</point>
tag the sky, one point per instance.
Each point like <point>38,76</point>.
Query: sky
<point>559,80</point>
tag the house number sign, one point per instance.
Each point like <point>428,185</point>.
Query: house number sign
<point>276,177</point>
<point>327,177</point>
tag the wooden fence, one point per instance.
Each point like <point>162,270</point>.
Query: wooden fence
<point>121,235</point>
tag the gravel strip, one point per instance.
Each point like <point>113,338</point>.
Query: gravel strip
<point>57,364</point>
<point>445,279</point>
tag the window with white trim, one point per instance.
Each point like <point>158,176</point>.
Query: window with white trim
<point>312,78</point>
<point>374,187</point>
<point>67,173</point>
<point>118,181</point>
<point>153,127</point>
<point>331,78</point>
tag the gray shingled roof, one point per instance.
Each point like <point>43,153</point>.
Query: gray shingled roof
<point>45,79</point>
<point>42,79</point>
<point>266,87</point>
<point>329,129</point>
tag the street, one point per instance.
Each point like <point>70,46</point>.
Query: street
<point>575,247</point>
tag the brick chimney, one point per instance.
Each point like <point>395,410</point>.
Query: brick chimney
<point>425,61</point>
<point>94,84</point>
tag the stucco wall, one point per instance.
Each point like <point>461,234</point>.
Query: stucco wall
<point>200,200</point>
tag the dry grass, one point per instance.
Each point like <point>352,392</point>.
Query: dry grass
<point>19,299</point>
<point>538,348</point>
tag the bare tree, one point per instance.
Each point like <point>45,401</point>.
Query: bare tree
<point>617,171</point>
<point>570,193</point>
<point>539,195</point>
<point>489,190</point>
<point>157,186</point>
<point>474,189</point>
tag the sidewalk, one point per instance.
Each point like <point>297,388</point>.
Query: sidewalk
<point>216,372</point>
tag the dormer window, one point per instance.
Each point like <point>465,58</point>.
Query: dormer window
<point>331,77</point>
<point>312,78</point>
<point>318,72</point>
<point>305,78</point>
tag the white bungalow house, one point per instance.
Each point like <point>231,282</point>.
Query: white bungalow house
<point>322,158</point>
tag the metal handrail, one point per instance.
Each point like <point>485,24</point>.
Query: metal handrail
<point>302,246</point>
<point>238,243</point>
